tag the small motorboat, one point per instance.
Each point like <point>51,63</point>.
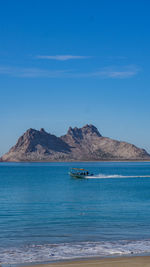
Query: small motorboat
<point>79,173</point>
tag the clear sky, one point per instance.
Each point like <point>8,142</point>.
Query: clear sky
<point>69,63</point>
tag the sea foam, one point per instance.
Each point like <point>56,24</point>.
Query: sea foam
<point>105,176</point>
<point>51,252</point>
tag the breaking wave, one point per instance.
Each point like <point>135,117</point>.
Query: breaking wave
<point>51,252</point>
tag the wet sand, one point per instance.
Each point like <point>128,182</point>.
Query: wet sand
<point>142,261</point>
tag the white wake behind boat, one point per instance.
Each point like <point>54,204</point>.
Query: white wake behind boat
<point>79,173</point>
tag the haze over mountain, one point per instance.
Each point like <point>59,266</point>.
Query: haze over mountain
<point>79,144</point>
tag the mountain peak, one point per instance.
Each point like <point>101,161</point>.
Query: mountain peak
<point>87,129</point>
<point>76,135</point>
<point>42,130</point>
<point>30,130</point>
<point>34,141</point>
<point>90,129</point>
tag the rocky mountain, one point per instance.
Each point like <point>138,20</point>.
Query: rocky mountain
<point>79,144</point>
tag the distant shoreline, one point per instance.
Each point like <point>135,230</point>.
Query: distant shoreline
<point>75,161</point>
<point>78,144</point>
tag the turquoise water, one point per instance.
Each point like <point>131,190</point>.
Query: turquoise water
<point>46,215</point>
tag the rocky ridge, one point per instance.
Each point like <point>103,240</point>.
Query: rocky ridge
<point>79,144</point>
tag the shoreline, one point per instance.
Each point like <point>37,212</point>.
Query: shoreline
<point>129,261</point>
<point>99,161</point>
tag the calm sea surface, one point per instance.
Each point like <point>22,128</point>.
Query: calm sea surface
<point>46,215</point>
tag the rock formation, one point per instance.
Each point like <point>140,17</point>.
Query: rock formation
<point>79,144</point>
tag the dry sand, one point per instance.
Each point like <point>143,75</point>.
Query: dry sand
<point>142,261</point>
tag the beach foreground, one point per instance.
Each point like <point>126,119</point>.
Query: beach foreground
<point>143,261</point>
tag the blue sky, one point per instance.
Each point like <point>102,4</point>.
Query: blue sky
<point>69,63</point>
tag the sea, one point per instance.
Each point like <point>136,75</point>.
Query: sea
<point>46,215</point>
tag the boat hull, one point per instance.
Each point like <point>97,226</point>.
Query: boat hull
<point>77,176</point>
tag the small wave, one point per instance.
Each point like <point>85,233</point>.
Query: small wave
<point>49,252</point>
<point>103,176</point>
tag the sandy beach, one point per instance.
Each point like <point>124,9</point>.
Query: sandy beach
<point>142,261</point>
